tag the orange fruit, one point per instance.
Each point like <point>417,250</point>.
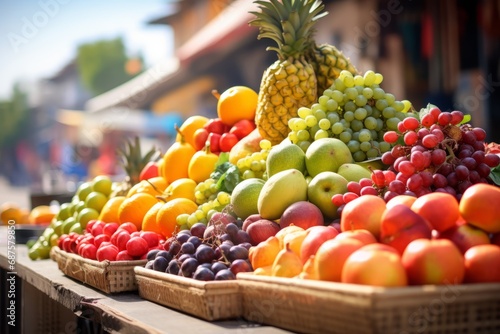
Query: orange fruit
<point>479,206</point>
<point>10,211</point>
<point>166,217</point>
<point>133,209</point>
<point>41,214</point>
<point>149,222</point>
<point>176,160</point>
<point>109,213</point>
<point>237,103</point>
<point>201,165</point>
<point>188,128</point>
<point>154,186</point>
<point>181,188</point>
<point>440,209</point>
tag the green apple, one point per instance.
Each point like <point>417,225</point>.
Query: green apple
<point>83,190</point>
<point>327,154</point>
<point>321,190</point>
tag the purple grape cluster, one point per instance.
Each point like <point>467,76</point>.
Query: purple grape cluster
<point>217,251</point>
<point>437,153</point>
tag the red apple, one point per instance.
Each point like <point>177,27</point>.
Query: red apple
<point>98,240</point>
<point>122,239</point>
<point>215,125</point>
<point>316,236</point>
<point>108,252</point>
<point>303,214</point>
<point>364,212</point>
<point>89,251</point>
<point>124,256</point>
<point>150,170</point>
<point>130,227</point>
<point>150,237</point>
<point>465,236</point>
<point>249,220</point>
<point>200,138</point>
<point>110,228</point>
<point>242,128</point>
<point>261,230</point>
<point>227,141</point>
<point>137,246</point>
<point>214,140</point>
<point>436,261</point>
<point>400,226</point>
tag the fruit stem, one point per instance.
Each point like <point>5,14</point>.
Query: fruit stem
<point>216,93</point>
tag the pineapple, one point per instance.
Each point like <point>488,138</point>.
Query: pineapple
<point>133,162</point>
<point>328,62</point>
<point>290,82</point>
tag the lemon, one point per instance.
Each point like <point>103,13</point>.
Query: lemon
<point>245,196</point>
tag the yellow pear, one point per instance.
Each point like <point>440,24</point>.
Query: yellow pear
<point>264,253</point>
<point>287,263</point>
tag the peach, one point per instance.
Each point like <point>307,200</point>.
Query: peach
<point>400,225</point>
<point>482,264</point>
<point>465,236</point>
<point>330,258</point>
<point>365,236</point>
<point>439,209</point>
<point>294,241</point>
<point>315,237</point>
<point>375,267</point>
<point>261,230</point>
<point>303,213</point>
<point>401,199</point>
<point>363,212</point>
<point>264,253</point>
<point>479,206</point>
<point>436,261</point>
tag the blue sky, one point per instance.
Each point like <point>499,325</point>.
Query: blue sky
<point>39,37</point>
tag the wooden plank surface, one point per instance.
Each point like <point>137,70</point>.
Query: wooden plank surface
<point>123,312</point>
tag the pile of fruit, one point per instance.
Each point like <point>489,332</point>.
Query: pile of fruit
<point>321,174</point>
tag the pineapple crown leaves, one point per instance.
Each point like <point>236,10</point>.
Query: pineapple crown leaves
<point>290,23</point>
<point>132,159</point>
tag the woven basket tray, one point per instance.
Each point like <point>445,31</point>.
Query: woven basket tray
<point>327,307</point>
<point>211,301</point>
<point>107,276</point>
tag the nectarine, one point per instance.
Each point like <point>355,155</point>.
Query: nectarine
<point>363,212</point>
<point>482,264</point>
<point>439,209</point>
<point>479,206</point>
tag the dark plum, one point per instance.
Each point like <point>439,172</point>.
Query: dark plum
<point>182,238</point>
<point>237,252</point>
<point>187,248</point>
<point>224,275</point>
<point>160,264</point>
<point>196,241</point>
<point>203,274</point>
<point>239,265</point>
<point>173,267</point>
<point>149,264</point>
<point>152,254</point>
<point>205,254</point>
<point>198,229</point>
<point>184,257</point>
<point>218,266</point>
<point>188,267</point>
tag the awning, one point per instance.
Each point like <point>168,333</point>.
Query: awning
<point>229,26</point>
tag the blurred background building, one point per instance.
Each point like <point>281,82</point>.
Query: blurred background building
<point>442,52</point>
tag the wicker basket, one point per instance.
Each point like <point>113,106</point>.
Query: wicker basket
<point>321,307</point>
<point>215,300</point>
<point>107,276</point>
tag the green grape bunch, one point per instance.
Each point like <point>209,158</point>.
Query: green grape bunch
<point>254,165</point>
<point>356,110</point>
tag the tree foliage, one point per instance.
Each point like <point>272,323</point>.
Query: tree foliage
<point>102,65</point>
<point>14,118</point>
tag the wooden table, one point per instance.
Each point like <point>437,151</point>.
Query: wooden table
<point>47,301</point>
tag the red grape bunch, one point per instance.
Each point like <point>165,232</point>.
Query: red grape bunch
<point>435,153</point>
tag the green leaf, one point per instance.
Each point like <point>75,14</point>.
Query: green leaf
<point>467,118</point>
<point>495,175</point>
<point>227,176</point>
